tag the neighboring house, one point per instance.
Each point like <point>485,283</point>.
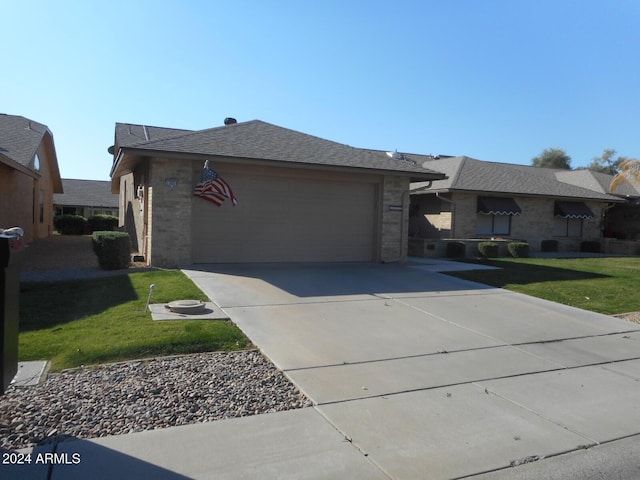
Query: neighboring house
<point>86,198</point>
<point>300,198</point>
<point>481,200</point>
<point>29,176</point>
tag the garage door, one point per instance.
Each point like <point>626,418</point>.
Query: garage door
<point>280,219</point>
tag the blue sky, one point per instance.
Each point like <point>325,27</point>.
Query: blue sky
<point>496,80</point>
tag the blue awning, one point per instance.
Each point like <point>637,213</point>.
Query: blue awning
<point>498,206</point>
<point>572,210</point>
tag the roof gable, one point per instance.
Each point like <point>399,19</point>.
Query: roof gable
<point>20,138</point>
<point>259,140</point>
<point>597,181</point>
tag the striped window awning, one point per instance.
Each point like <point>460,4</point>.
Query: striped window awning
<point>572,210</point>
<point>498,206</point>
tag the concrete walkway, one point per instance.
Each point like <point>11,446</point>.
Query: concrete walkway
<point>413,374</point>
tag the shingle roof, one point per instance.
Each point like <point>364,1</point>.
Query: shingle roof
<point>468,174</point>
<point>263,141</point>
<point>597,181</point>
<point>89,193</point>
<point>128,135</point>
<point>20,138</point>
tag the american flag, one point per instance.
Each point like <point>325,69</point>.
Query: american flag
<point>213,188</point>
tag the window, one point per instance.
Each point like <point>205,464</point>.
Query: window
<point>568,217</point>
<point>494,215</point>
<point>567,227</point>
<point>36,162</point>
<point>41,206</point>
<point>488,224</point>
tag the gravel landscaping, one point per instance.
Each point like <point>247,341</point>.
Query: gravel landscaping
<point>142,395</point>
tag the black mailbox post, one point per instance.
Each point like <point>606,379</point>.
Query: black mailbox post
<point>9,304</point>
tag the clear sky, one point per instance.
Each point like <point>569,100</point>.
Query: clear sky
<point>496,80</point>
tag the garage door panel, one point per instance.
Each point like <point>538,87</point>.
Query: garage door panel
<point>280,219</point>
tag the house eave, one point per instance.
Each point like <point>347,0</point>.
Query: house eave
<point>129,158</point>
<point>19,167</point>
<point>611,199</point>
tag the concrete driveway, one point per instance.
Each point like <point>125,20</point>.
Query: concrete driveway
<point>428,376</point>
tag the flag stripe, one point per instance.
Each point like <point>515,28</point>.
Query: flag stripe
<point>213,188</point>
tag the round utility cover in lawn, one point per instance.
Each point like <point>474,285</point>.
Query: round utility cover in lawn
<point>188,307</point>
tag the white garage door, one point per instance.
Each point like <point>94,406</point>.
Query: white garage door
<point>280,219</point>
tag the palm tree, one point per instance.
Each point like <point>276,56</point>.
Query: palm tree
<point>629,172</point>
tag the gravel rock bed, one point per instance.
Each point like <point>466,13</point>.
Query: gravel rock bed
<point>144,395</point>
<point>630,317</point>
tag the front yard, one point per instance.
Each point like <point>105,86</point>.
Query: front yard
<point>608,285</point>
<point>104,320</point>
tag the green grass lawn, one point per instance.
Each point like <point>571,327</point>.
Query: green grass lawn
<point>608,285</point>
<point>104,320</point>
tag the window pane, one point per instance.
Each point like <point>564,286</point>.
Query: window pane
<point>559,227</point>
<point>484,224</point>
<point>502,224</point>
<point>574,227</point>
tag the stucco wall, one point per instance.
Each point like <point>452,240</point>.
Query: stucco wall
<point>20,199</point>
<point>16,201</point>
<point>43,226</point>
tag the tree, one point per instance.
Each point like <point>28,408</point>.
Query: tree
<point>606,163</point>
<point>552,158</point>
<point>629,172</point>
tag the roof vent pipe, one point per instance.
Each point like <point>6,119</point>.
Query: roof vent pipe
<point>230,121</point>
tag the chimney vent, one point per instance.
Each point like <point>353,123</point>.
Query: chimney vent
<point>230,121</point>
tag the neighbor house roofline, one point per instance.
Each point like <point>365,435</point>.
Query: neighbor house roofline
<point>465,174</point>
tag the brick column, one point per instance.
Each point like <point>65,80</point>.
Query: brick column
<point>395,220</point>
<point>170,197</point>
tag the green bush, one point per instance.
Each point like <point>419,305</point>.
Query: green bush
<point>590,246</point>
<point>456,250</point>
<point>113,249</point>
<point>518,249</point>
<point>488,249</point>
<point>70,224</point>
<point>549,245</point>
<point>102,223</point>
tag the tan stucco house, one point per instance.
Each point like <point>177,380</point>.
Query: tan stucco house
<point>480,200</point>
<point>299,198</point>
<point>29,176</point>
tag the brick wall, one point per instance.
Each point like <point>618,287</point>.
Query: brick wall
<point>533,225</point>
<point>394,223</point>
<point>169,197</point>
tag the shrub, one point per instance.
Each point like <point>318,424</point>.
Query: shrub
<point>549,246</point>
<point>70,224</point>
<point>456,250</point>
<point>102,223</point>
<point>518,249</point>
<point>113,249</point>
<point>488,249</point>
<point>590,246</point>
